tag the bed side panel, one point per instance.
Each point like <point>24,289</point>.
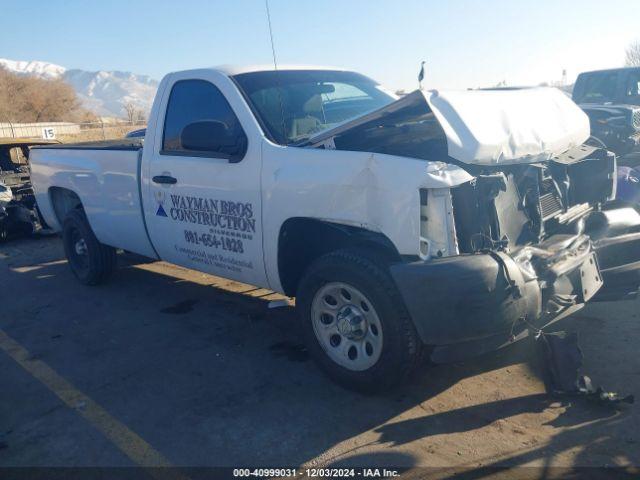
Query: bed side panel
<point>106,181</point>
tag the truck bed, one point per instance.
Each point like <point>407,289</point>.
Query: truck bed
<point>106,177</point>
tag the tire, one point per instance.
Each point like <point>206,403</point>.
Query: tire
<point>90,261</point>
<point>394,349</point>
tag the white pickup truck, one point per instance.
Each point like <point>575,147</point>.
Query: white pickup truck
<point>444,224</point>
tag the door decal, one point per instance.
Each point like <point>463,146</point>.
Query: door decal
<point>160,198</point>
<point>229,232</point>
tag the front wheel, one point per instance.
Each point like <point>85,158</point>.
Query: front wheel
<point>91,262</point>
<point>355,322</point>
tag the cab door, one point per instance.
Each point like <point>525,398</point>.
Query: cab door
<point>203,199</point>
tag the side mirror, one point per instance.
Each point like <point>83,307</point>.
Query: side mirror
<point>213,136</point>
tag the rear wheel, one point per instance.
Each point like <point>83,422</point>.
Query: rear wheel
<point>355,323</point>
<point>90,261</point>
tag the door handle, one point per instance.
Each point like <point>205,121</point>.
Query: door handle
<point>165,179</point>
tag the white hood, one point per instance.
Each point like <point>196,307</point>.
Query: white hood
<point>493,127</point>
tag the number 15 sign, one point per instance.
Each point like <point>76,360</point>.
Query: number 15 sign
<point>48,133</point>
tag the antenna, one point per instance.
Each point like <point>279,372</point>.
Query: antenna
<point>273,48</point>
<point>275,68</point>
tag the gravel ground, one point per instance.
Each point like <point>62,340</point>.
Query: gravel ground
<point>205,374</point>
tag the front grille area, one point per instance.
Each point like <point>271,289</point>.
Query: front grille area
<point>636,119</point>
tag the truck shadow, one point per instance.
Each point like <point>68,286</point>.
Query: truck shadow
<point>210,376</point>
<point>599,455</point>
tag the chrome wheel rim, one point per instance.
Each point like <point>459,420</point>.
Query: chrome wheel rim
<point>81,247</point>
<point>78,254</point>
<point>347,326</point>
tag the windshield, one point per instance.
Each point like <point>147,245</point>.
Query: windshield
<point>293,105</point>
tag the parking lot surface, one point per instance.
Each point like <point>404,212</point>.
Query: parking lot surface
<point>166,366</point>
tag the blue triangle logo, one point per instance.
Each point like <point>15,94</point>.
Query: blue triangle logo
<point>161,212</point>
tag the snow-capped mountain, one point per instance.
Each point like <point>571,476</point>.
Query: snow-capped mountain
<point>38,69</point>
<point>104,93</point>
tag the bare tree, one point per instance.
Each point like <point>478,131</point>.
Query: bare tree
<point>57,100</point>
<point>133,113</point>
<point>632,57</point>
<point>30,99</point>
<point>141,117</point>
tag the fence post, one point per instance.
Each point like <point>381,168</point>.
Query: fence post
<point>104,137</point>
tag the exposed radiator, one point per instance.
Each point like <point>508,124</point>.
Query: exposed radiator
<point>549,199</point>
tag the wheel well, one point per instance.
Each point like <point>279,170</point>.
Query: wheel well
<point>63,201</point>
<point>303,240</point>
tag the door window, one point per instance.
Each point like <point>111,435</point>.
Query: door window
<point>200,122</point>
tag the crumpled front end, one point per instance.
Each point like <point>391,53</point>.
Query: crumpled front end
<point>528,239</point>
<point>534,244</point>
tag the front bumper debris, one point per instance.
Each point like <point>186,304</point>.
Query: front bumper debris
<point>466,297</point>
<point>487,299</point>
<point>561,361</point>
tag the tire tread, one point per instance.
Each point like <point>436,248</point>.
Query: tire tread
<point>105,258</point>
<point>368,262</point>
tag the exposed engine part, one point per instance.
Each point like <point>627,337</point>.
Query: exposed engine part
<point>525,204</point>
<point>613,222</point>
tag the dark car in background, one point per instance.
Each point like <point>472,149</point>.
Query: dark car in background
<point>611,99</point>
<point>140,133</point>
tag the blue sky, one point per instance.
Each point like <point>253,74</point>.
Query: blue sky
<point>465,43</point>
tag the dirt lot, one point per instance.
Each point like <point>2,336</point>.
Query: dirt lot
<point>168,366</point>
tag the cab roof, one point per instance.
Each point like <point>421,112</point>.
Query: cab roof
<point>231,70</point>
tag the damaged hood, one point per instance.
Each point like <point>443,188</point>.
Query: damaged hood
<point>488,127</point>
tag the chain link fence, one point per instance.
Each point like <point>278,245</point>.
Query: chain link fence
<point>70,132</point>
